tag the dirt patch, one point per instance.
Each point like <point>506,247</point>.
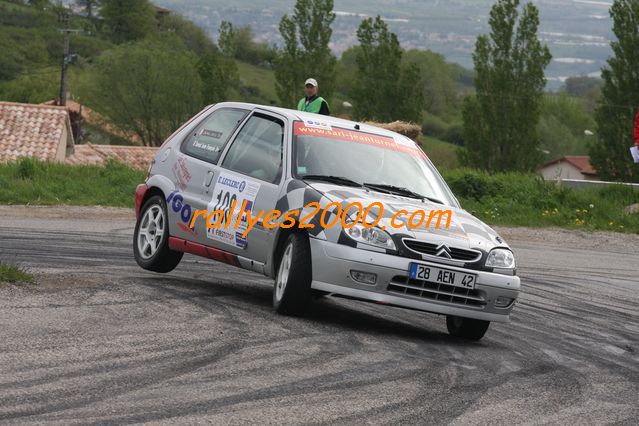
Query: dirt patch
<point>52,280</point>
<point>68,212</point>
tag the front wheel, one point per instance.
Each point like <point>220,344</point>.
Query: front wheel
<point>151,238</point>
<point>292,293</point>
<point>466,328</point>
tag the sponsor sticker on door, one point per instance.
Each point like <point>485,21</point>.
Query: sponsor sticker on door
<point>230,193</point>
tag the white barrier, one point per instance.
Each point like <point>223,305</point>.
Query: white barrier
<point>583,184</point>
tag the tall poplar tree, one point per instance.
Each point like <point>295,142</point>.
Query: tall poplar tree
<point>306,52</point>
<point>500,120</point>
<point>384,90</point>
<point>619,102</point>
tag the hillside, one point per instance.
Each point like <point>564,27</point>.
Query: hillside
<point>578,32</point>
<point>32,47</point>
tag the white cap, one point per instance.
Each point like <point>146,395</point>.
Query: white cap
<point>311,81</point>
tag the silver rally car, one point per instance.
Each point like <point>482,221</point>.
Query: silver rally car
<point>264,159</point>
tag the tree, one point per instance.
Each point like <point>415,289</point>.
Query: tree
<point>129,20</point>
<point>149,87</point>
<point>39,4</point>
<point>90,6</point>
<point>248,50</point>
<point>306,53</point>
<point>31,88</point>
<point>582,86</point>
<point>587,89</point>
<point>383,91</point>
<point>194,37</point>
<point>227,39</point>
<point>619,101</point>
<point>562,124</point>
<point>218,70</point>
<point>500,121</point>
<point>438,80</point>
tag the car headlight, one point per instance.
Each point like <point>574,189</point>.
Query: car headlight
<point>500,258</point>
<point>372,236</point>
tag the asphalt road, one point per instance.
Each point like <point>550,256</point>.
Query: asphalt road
<point>99,340</point>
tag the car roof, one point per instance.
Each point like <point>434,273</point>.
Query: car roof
<point>293,115</point>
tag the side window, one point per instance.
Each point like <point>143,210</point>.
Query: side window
<point>257,149</point>
<point>208,139</point>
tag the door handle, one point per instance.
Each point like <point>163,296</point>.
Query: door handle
<point>208,180</point>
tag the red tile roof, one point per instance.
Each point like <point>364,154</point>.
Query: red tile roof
<point>96,119</point>
<point>28,130</point>
<point>582,162</point>
<point>138,157</point>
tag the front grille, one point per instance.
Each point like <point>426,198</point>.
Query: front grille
<point>431,249</point>
<point>441,292</point>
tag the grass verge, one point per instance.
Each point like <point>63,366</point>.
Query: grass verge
<point>12,274</point>
<point>29,181</point>
<point>510,199</point>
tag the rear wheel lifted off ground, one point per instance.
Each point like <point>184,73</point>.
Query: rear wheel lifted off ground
<point>466,328</point>
<point>151,238</point>
<point>292,292</point>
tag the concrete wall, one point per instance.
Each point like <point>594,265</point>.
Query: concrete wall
<point>61,152</point>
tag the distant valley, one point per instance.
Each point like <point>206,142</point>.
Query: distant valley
<point>578,32</point>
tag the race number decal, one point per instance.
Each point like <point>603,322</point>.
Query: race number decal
<point>232,191</point>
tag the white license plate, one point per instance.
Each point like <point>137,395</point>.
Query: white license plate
<point>417,271</point>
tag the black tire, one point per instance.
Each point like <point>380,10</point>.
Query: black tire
<point>466,328</point>
<point>163,259</point>
<point>295,296</point>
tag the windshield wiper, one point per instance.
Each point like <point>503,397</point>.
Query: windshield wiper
<point>333,179</point>
<point>398,190</point>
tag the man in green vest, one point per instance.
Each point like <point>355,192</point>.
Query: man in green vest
<point>312,102</point>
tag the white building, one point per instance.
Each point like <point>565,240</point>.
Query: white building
<point>569,167</point>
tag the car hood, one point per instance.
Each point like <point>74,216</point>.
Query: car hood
<point>465,230</point>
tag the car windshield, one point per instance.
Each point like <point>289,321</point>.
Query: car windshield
<point>381,163</point>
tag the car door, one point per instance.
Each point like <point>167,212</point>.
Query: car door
<point>251,173</point>
<point>195,164</point>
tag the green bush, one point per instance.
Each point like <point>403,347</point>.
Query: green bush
<point>454,134</point>
<point>472,184</point>
<point>527,200</point>
<point>433,126</point>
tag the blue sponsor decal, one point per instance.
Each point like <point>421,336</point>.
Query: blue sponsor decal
<point>177,204</point>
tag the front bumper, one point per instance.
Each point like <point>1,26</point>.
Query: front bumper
<point>333,263</point>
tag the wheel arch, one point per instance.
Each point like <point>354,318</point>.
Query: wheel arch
<point>278,247</point>
<point>157,185</point>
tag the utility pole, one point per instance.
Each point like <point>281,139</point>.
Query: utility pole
<point>76,120</point>
<point>66,58</point>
